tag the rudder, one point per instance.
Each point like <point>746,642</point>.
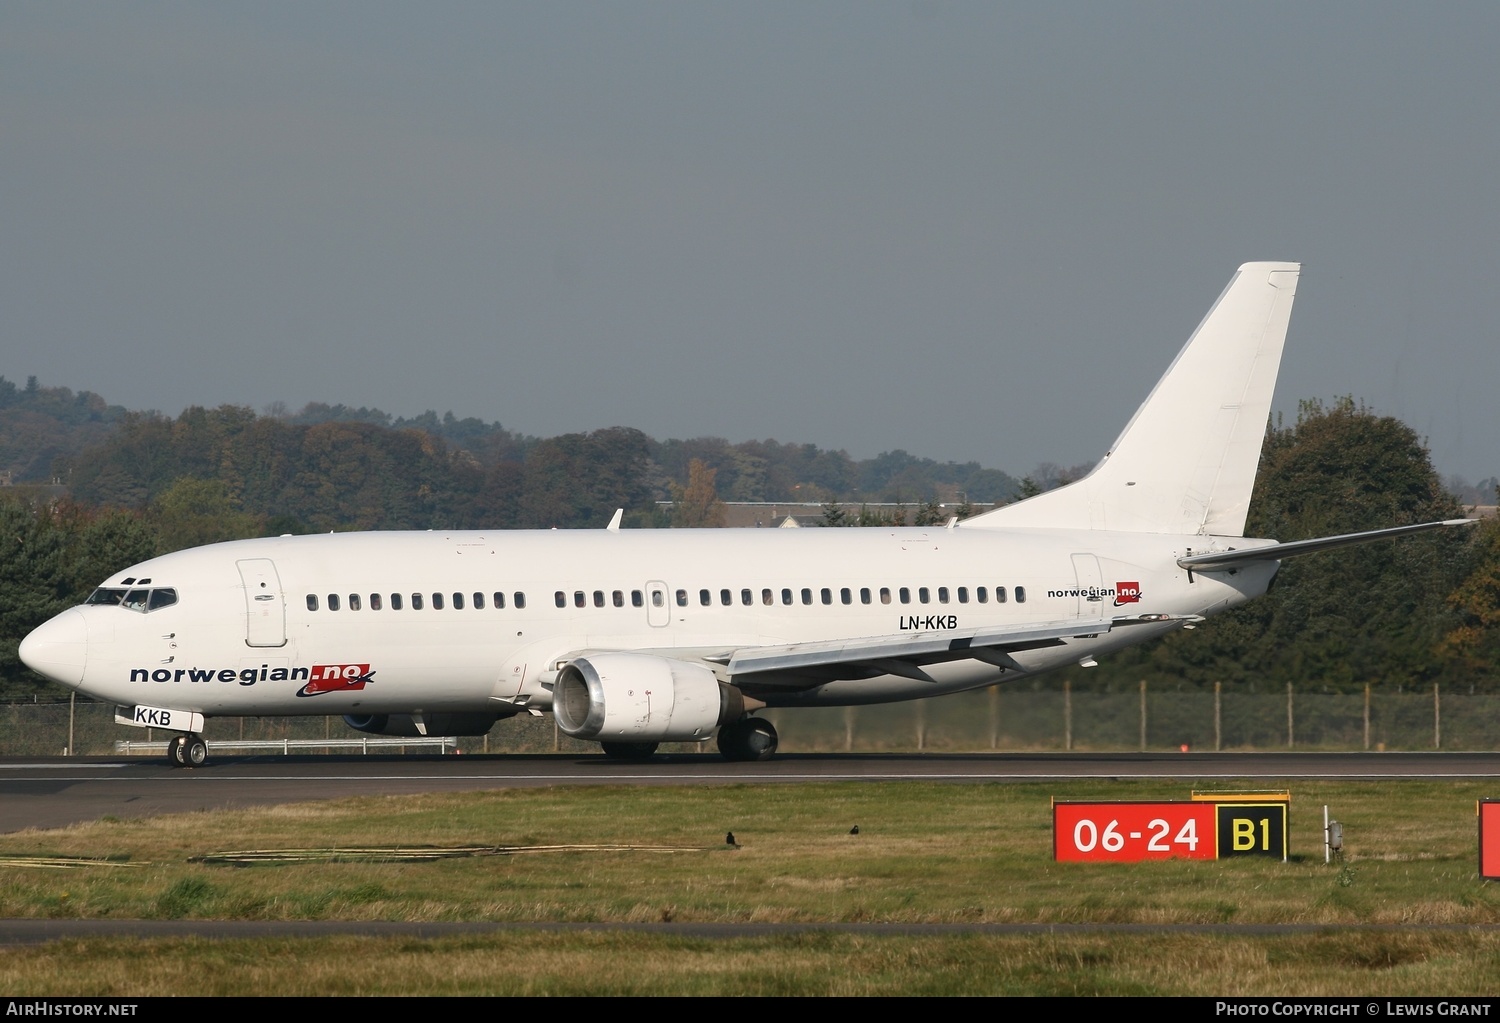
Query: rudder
<point>1186,461</point>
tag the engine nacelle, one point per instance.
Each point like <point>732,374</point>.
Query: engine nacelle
<point>470,723</point>
<point>641,697</point>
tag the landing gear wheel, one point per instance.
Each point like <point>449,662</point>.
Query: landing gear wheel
<point>177,751</point>
<point>195,751</point>
<point>748,739</point>
<point>629,750</point>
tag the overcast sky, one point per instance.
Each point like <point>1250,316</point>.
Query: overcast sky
<point>972,231</point>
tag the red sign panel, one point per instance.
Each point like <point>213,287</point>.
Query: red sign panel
<point>1131,832</point>
<point>1489,838</point>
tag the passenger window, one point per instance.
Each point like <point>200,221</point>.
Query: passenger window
<point>982,595</point>
<point>924,596</point>
<point>682,598</point>
<point>767,597</point>
<point>499,599</point>
<point>905,595</point>
<point>636,599</point>
<point>885,594</point>
<point>578,600</point>
<point>826,595</point>
<point>312,601</point>
<point>786,596</point>
<point>375,603</point>
<point>520,600</point>
<point>658,598</point>
<point>618,598</point>
<point>333,602</point>
<point>746,597</point>
<point>458,602</point>
<point>598,598</point>
<point>354,602</point>
<point>806,595</point>
<point>963,594</point>
<point>1020,594</point>
<point>999,594</point>
<point>162,598</point>
<point>395,602</point>
<point>437,601</point>
<point>864,594</point>
<point>479,602</point>
<point>726,598</point>
<point>845,597</point>
<point>561,598</point>
<point>942,594</point>
<point>705,598</point>
<point>416,602</point>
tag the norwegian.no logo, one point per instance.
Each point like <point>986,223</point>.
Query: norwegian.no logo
<point>318,678</point>
<point>1123,592</point>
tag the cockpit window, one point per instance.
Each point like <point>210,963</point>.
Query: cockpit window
<point>138,599</point>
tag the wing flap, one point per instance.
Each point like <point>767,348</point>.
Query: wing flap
<point>887,653</point>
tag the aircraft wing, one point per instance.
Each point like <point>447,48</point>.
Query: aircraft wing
<point>905,654</point>
<point>1222,560</point>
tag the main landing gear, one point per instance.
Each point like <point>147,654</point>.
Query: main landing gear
<point>748,739</point>
<point>187,751</point>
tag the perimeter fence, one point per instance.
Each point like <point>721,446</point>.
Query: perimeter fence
<point>1040,718</point>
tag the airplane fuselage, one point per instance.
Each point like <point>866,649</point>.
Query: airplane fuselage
<point>372,623</point>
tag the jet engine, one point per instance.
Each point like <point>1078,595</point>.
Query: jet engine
<point>642,698</point>
<point>470,723</point>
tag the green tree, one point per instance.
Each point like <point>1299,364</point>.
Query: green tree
<point>52,555</point>
<point>1370,614</point>
<point>1473,642</point>
<point>193,512</point>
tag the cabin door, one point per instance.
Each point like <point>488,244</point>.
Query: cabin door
<point>658,604</point>
<point>265,605</point>
<point>1090,586</point>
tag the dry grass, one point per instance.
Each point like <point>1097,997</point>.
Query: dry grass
<point>926,852</point>
<point>598,963</point>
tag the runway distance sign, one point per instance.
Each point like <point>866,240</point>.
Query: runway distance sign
<point>1132,832</point>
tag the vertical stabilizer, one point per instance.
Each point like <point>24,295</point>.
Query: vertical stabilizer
<point>1186,461</point>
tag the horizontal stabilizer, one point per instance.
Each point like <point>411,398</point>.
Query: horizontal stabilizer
<point>1220,560</point>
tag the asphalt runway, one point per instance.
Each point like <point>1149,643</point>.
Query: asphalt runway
<point>55,792</point>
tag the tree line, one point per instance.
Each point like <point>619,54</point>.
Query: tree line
<point>1403,614</point>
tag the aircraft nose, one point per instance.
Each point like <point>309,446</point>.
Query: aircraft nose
<point>58,648</point>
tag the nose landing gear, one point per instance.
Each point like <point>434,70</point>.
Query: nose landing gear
<point>187,751</point>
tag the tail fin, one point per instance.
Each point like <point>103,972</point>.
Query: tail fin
<point>1186,461</point>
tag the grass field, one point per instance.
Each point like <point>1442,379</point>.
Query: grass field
<point>925,852</point>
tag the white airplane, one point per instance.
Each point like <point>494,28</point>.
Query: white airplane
<point>633,638</point>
